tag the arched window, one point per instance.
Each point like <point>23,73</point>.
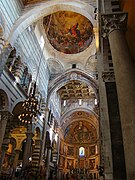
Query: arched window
<point>42,42</point>
<point>81,151</point>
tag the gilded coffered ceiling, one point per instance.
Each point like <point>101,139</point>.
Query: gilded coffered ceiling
<point>76,90</point>
<point>68,32</point>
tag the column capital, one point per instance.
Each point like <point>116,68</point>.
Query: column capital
<point>108,76</point>
<point>113,21</point>
<point>5,115</point>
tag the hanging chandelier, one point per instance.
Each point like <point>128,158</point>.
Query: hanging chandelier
<point>31,109</point>
<point>31,105</point>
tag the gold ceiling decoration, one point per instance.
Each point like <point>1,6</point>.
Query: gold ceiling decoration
<point>76,90</point>
<point>69,32</point>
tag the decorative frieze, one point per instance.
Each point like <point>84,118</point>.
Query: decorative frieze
<point>111,22</point>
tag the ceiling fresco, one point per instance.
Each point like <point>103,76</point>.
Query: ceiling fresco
<point>68,32</point>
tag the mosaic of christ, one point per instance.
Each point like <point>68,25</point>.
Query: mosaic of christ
<point>68,32</point>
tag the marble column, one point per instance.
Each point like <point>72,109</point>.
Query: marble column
<point>3,152</point>
<point>113,26</point>
<point>48,157</point>
<point>27,150</point>
<point>2,43</point>
<point>15,163</point>
<point>46,113</point>
<point>36,155</point>
<point>104,131</point>
<point>17,152</point>
<point>5,116</point>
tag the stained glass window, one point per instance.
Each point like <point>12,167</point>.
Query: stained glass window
<point>81,151</point>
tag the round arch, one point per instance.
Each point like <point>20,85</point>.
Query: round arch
<point>81,115</point>
<point>47,8</point>
<point>69,75</point>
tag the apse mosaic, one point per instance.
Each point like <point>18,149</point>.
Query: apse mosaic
<point>80,132</point>
<point>68,32</point>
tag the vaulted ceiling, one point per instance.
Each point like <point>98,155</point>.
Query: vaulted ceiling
<point>71,37</point>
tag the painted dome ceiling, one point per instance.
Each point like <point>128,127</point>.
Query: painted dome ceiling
<point>68,32</point>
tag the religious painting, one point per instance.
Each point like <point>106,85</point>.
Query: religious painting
<point>70,163</point>
<point>92,164</point>
<point>62,161</point>
<point>68,32</point>
<point>92,150</point>
<point>70,151</point>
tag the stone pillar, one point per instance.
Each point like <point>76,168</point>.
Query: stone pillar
<point>5,116</point>
<point>36,156</point>
<point>113,26</point>
<point>17,152</point>
<point>3,57</point>
<point>48,156</point>
<point>104,131</point>
<point>27,151</point>
<point>46,113</point>
<point>3,151</point>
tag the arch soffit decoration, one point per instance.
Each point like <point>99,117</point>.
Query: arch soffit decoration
<point>82,109</point>
<point>69,75</point>
<point>47,8</point>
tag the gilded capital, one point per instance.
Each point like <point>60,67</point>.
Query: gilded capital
<point>111,22</point>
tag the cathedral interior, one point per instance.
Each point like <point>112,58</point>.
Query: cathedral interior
<point>67,89</point>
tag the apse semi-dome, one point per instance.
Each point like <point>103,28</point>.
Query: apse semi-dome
<point>68,32</point>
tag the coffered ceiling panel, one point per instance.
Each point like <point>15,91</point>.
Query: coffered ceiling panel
<point>76,90</point>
